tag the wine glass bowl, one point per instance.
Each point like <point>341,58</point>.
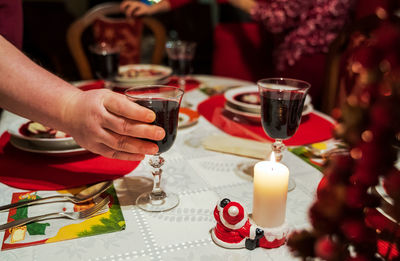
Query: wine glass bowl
<point>104,60</point>
<point>180,55</point>
<point>165,102</point>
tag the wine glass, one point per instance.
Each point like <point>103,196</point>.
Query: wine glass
<point>282,102</point>
<point>165,102</point>
<point>104,60</point>
<point>180,55</point>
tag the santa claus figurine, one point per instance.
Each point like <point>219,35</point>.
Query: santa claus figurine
<point>233,229</point>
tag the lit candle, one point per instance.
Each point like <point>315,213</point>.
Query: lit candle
<point>270,192</point>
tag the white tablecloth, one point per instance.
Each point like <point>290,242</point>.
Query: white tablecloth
<point>200,178</point>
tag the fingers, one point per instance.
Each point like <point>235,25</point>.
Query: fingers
<point>128,144</point>
<point>130,8</point>
<point>127,109</point>
<point>128,127</point>
<point>114,154</point>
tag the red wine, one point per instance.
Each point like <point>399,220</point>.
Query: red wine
<point>280,116</point>
<point>105,66</point>
<point>167,112</point>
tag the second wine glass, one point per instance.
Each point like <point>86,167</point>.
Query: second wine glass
<point>180,55</point>
<point>282,102</point>
<point>165,102</point>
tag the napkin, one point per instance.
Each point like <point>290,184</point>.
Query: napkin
<point>237,146</point>
<point>109,219</point>
<point>33,171</point>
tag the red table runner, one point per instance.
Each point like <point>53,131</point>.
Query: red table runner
<point>313,128</point>
<point>33,171</point>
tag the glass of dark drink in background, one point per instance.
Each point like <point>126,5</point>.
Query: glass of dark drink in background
<point>104,60</point>
<point>180,55</point>
<point>165,102</point>
<point>282,102</point>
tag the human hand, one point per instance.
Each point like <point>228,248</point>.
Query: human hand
<point>107,123</point>
<point>245,5</point>
<point>135,8</point>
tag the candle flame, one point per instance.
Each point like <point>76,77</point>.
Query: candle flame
<point>272,157</point>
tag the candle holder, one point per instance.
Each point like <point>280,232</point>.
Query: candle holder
<point>233,228</point>
<point>273,237</point>
<point>236,229</point>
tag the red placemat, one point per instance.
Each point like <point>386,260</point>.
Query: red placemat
<point>190,83</point>
<point>313,128</point>
<point>33,171</point>
<point>91,85</point>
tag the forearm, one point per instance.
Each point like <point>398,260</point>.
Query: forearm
<point>29,90</point>
<point>245,5</point>
<point>160,7</point>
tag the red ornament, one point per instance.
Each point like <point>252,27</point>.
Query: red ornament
<point>325,248</point>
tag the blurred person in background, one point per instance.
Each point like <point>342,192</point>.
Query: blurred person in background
<point>11,21</point>
<point>259,39</point>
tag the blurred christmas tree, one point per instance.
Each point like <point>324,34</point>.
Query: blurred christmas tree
<point>343,213</point>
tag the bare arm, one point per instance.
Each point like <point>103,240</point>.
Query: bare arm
<point>136,8</point>
<point>245,5</point>
<point>102,121</point>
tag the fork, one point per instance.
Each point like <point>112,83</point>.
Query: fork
<point>71,215</point>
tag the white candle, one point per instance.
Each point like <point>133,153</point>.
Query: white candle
<point>270,192</point>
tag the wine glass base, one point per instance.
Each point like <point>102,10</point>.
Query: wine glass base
<point>167,203</point>
<point>246,169</point>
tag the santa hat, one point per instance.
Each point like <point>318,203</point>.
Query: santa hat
<point>233,215</point>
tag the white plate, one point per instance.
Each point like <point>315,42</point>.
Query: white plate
<point>234,103</point>
<point>30,147</point>
<point>164,72</point>
<point>249,107</point>
<point>46,143</point>
<point>121,86</point>
<point>254,117</point>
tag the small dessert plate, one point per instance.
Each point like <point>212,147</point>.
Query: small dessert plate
<point>142,73</point>
<point>244,98</point>
<point>15,129</point>
<point>187,117</point>
<point>31,147</point>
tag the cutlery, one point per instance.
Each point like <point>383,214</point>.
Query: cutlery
<point>71,215</point>
<point>83,196</point>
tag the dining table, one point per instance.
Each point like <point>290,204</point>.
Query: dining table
<point>201,178</point>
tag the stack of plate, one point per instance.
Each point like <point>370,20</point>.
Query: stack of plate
<point>141,74</point>
<point>50,146</point>
<point>245,101</point>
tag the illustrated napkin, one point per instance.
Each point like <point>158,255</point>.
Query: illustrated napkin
<point>316,154</point>
<point>54,230</point>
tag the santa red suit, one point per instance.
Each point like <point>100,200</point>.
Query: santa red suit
<point>233,227</point>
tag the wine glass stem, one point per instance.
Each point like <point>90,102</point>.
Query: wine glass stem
<point>278,147</point>
<point>181,82</point>
<point>156,161</point>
